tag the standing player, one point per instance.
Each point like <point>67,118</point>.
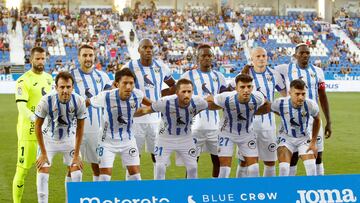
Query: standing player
<point>206,124</point>
<point>64,113</point>
<point>267,81</point>
<point>119,106</point>
<point>239,106</point>
<point>175,134</point>
<point>30,87</point>
<point>315,82</point>
<point>90,82</point>
<point>150,74</point>
<point>295,112</point>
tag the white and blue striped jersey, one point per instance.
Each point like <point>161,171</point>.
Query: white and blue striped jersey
<point>88,85</point>
<point>118,114</point>
<point>149,79</point>
<point>206,83</point>
<point>238,117</point>
<point>312,76</point>
<point>176,121</point>
<point>60,118</point>
<point>295,121</point>
<point>266,82</point>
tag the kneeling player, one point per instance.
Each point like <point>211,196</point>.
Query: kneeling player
<point>296,112</point>
<point>62,111</point>
<point>119,106</point>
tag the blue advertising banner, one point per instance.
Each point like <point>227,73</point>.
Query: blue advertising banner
<point>316,189</point>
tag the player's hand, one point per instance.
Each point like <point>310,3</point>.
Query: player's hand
<point>210,98</point>
<point>77,162</point>
<point>328,130</point>
<point>43,159</point>
<point>313,148</point>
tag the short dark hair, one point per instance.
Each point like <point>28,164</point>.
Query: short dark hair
<point>203,46</point>
<point>64,75</point>
<point>183,81</point>
<point>298,84</point>
<point>37,49</point>
<point>243,78</point>
<point>124,72</point>
<point>300,45</point>
<point>85,46</point>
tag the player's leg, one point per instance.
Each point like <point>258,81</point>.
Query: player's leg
<point>320,146</point>
<point>152,131</point>
<point>130,158</point>
<point>90,154</point>
<point>139,134</point>
<point>74,170</point>
<point>226,147</point>
<point>293,164</point>
<point>241,169</point>
<point>284,152</point>
<point>25,159</point>
<point>186,149</point>
<point>42,178</point>
<point>162,151</point>
<point>248,148</point>
<point>266,145</point>
<point>211,143</point>
<point>307,157</point>
<point>67,180</point>
<point>107,157</point>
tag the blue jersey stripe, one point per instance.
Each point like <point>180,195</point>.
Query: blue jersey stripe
<point>228,111</point>
<point>152,72</point>
<point>51,115</point>
<point>75,104</point>
<point>85,87</point>
<point>143,73</point>
<point>203,82</point>
<point>61,133</point>
<point>283,115</point>
<point>307,114</point>
<point>293,132</point>
<point>178,130</point>
<point>129,121</point>
<point>316,84</point>
<point>167,115</point>
<point>308,81</point>
<point>68,118</point>
<point>161,75</point>
<point>76,87</point>
<point>119,111</point>
<point>300,121</point>
<point>101,79</point>
<point>108,108</point>
<point>97,91</point>
<point>237,104</point>
<point>191,75</point>
<point>257,86</point>
<point>59,110</point>
<point>247,110</point>
<point>290,72</point>
<point>268,95</point>
<point>187,118</point>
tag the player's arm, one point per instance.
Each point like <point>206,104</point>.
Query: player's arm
<point>171,89</point>
<point>325,108</point>
<point>22,97</point>
<point>146,101</point>
<point>283,93</point>
<point>264,109</point>
<point>43,156</point>
<point>211,103</point>
<point>78,139</point>
<point>315,132</point>
<point>24,111</point>
<point>143,111</point>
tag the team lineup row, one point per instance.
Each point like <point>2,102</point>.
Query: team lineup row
<point>103,118</point>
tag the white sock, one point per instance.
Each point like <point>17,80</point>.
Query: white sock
<point>154,170</point>
<point>253,170</point>
<point>293,170</point>
<point>241,171</point>
<point>76,176</point>
<point>160,172</point>
<point>310,167</point>
<point>127,175</point>
<point>284,169</point>
<point>320,169</point>
<point>42,183</point>
<point>136,176</point>
<point>269,171</point>
<point>191,172</point>
<point>224,172</point>
<point>67,180</point>
<point>104,177</point>
<point>95,178</point>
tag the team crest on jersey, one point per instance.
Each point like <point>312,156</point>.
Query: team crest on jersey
<point>215,79</point>
<point>192,111</point>
<point>192,152</point>
<point>71,110</point>
<point>133,152</point>
<point>157,70</point>
<point>304,114</point>
<point>133,105</point>
<point>78,80</point>
<point>179,121</point>
<point>98,80</point>
<point>272,147</point>
<point>312,75</point>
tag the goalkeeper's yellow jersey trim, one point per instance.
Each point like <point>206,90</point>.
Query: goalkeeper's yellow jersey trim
<point>30,87</point>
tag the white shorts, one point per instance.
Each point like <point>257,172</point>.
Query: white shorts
<point>145,133</point>
<point>67,148</point>
<point>295,144</point>
<point>90,146</point>
<point>320,137</point>
<point>266,144</point>
<point>206,140</point>
<point>126,148</point>
<point>183,146</point>
<point>247,145</point>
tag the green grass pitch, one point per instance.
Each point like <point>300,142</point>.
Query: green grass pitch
<point>342,152</point>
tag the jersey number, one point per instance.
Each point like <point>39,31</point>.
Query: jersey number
<point>223,141</point>
<point>158,149</point>
<point>22,151</point>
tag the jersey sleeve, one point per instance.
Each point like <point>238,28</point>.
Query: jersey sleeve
<point>107,81</point>
<point>139,95</point>
<point>200,103</point>
<point>313,108</point>
<point>81,113</point>
<point>166,71</point>
<point>222,81</point>
<point>159,106</point>
<point>282,69</point>
<point>219,99</point>
<point>275,106</point>
<point>279,81</point>
<point>21,93</point>
<point>259,98</point>
<point>98,101</point>
<point>321,79</point>
<point>42,109</point>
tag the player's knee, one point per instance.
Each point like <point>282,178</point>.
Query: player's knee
<point>21,173</point>
<point>269,163</point>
